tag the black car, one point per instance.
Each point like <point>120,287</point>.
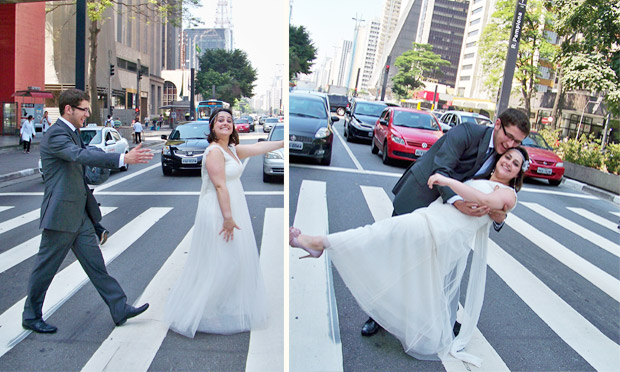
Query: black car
<point>360,119</point>
<point>184,147</point>
<point>338,103</point>
<point>310,131</point>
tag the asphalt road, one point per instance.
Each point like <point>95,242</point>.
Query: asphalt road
<point>552,294</point>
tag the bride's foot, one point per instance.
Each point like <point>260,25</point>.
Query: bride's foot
<point>297,240</point>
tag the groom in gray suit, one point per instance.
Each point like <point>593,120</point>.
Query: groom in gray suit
<point>69,210</point>
<point>466,151</point>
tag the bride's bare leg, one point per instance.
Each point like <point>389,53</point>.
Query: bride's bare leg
<point>312,242</point>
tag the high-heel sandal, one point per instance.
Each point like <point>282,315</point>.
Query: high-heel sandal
<point>293,233</point>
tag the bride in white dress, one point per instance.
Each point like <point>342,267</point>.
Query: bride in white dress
<point>418,260</point>
<point>221,288</point>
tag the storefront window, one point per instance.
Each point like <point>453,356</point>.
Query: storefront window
<point>9,118</point>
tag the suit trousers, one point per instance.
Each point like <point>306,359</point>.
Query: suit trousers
<point>53,249</point>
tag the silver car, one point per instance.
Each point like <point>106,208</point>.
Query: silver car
<point>453,118</point>
<point>273,161</point>
<point>269,123</point>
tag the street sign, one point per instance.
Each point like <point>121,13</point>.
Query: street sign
<point>545,120</point>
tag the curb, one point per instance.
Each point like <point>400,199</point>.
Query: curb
<point>579,186</point>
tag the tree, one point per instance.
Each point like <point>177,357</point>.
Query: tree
<point>415,65</point>
<point>301,51</point>
<point>533,46</point>
<point>230,72</point>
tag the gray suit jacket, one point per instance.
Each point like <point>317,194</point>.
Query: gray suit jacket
<point>66,193</point>
<point>458,154</point>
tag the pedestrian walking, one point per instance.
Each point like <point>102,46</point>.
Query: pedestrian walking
<point>137,128</point>
<point>45,122</point>
<point>109,122</point>
<point>27,132</point>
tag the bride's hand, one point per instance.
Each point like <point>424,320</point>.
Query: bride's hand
<point>228,229</point>
<point>437,179</point>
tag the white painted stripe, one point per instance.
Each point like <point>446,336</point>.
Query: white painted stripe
<point>613,226</point>
<point>72,278</point>
<point>616,213</point>
<point>381,208</point>
<point>180,193</point>
<point>606,244</point>
<point>133,346</point>
<point>3,208</point>
<point>38,193</point>
<point>314,334</point>
<point>125,178</point>
<point>20,220</point>
<point>559,193</point>
<point>602,353</point>
<point>573,261</point>
<point>346,170</point>
<point>346,147</point>
<point>24,251</point>
<point>266,351</point>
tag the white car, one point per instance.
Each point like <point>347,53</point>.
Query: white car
<point>453,118</point>
<point>269,123</point>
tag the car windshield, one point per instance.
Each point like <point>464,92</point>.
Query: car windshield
<point>271,120</point>
<point>369,109</point>
<point>414,120</point>
<point>305,107</point>
<point>277,134</point>
<point>241,121</point>
<point>536,140</point>
<point>480,120</point>
<point>91,137</point>
<point>190,131</point>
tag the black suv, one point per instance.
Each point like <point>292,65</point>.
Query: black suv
<point>338,103</point>
<point>360,119</point>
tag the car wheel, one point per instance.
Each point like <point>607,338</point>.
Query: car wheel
<point>327,159</point>
<point>555,182</point>
<point>373,147</point>
<point>266,177</point>
<point>386,159</point>
<point>340,111</point>
<point>166,171</point>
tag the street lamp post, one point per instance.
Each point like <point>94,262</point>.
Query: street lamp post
<point>597,102</point>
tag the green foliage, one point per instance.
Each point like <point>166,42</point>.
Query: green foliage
<point>612,158</point>
<point>413,66</point>
<point>230,72</point>
<point>301,51</point>
<point>583,151</point>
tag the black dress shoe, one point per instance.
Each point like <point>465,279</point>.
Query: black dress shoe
<point>456,329</point>
<point>133,311</point>
<point>40,327</point>
<point>104,237</point>
<point>370,327</point>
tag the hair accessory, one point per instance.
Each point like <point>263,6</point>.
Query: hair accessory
<point>525,166</point>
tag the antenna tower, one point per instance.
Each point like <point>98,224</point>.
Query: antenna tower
<point>222,15</point>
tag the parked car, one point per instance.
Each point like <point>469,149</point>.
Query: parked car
<point>403,133</point>
<point>242,125</point>
<point>310,132</point>
<point>360,119</point>
<point>269,123</point>
<point>273,161</point>
<point>544,163</point>
<point>184,147</point>
<point>338,103</point>
<point>453,118</point>
<point>250,122</point>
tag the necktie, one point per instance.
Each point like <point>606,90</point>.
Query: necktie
<point>488,162</point>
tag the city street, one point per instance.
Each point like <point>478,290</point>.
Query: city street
<point>552,293</point>
<point>150,218</point>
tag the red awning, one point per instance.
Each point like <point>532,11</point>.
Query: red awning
<point>33,94</point>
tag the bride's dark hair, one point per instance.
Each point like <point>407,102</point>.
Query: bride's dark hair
<point>517,182</point>
<point>234,137</point>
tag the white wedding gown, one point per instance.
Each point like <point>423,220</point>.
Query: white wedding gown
<point>405,272</point>
<point>221,288</point>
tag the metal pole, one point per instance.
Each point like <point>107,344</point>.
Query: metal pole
<point>357,79</point>
<point>385,78</point>
<point>109,85</point>
<point>192,106</point>
<point>580,119</point>
<point>435,98</point>
<point>80,46</point>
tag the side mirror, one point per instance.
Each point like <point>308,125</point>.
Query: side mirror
<point>383,122</point>
<point>446,130</point>
<point>110,142</point>
<point>335,119</point>
<point>262,140</point>
<point>164,137</point>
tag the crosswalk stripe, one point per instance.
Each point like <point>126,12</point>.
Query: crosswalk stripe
<point>573,261</point>
<point>24,251</point>
<point>345,170</point>
<point>5,208</point>
<point>616,213</point>
<point>349,152</point>
<point>125,178</point>
<point>72,278</point>
<point>381,208</point>
<point>558,193</point>
<point>595,218</point>
<point>314,334</point>
<point>266,350</point>
<point>606,244</point>
<point>133,346</point>
<point>19,220</point>
<point>602,353</point>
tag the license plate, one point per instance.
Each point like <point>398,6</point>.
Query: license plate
<point>370,134</point>
<point>295,145</point>
<point>189,161</point>
<point>419,152</point>
<point>544,171</point>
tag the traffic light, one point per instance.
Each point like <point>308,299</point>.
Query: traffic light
<point>137,110</point>
<point>139,75</point>
<point>387,68</point>
<point>111,69</point>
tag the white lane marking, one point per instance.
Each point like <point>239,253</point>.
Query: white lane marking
<point>266,351</point>
<point>345,170</point>
<point>314,334</point>
<point>20,220</point>
<point>381,208</point>
<point>181,193</point>
<point>602,353</point>
<point>559,193</point>
<point>72,278</point>
<point>125,178</point>
<point>616,213</point>
<point>24,251</point>
<point>133,346</point>
<point>3,208</point>
<point>573,261</point>
<point>569,225</point>
<point>613,226</point>
<point>348,150</point>
<point>36,193</point>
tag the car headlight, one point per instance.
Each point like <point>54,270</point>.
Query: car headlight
<point>560,164</point>
<point>322,132</point>
<point>273,155</point>
<point>397,139</point>
<point>165,150</point>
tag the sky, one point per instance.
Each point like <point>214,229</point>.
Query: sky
<point>260,29</point>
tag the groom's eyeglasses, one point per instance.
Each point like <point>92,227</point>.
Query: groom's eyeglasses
<point>510,136</point>
<point>86,109</point>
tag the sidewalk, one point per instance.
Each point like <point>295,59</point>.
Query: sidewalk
<point>15,164</point>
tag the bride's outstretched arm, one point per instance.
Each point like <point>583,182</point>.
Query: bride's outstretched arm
<point>498,199</point>
<point>258,148</point>
<point>216,168</point>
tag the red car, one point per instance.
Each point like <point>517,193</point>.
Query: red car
<point>242,125</point>
<point>544,163</point>
<point>403,133</point>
